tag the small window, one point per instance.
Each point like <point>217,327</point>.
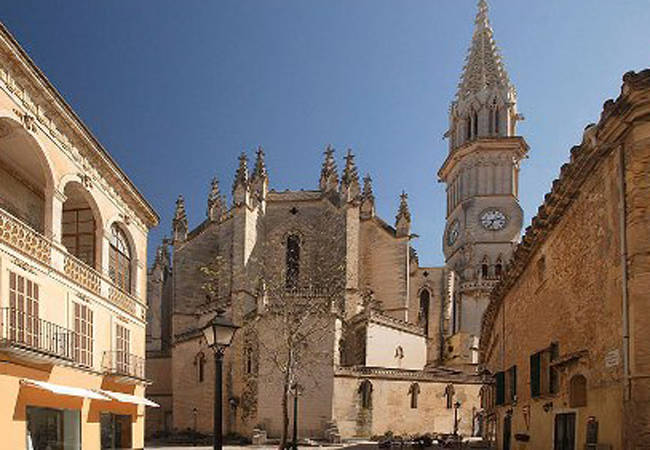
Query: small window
<point>293,261</point>
<point>414,391</point>
<point>449,394</point>
<point>199,361</point>
<point>511,378</point>
<point>365,392</point>
<point>500,378</point>
<point>399,352</point>
<point>496,120</point>
<point>475,125</point>
<point>578,391</point>
<point>484,270</point>
<point>543,376</point>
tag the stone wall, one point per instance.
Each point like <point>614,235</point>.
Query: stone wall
<point>390,408</point>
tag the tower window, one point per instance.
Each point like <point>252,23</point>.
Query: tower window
<point>249,360</point>
<point>497,270</point>
<point>468,127</point>
<point>293,261</point>
<point>484,270</point>
<point>496,120</point>
<point>200,366</point>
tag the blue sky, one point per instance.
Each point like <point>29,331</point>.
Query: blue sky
<point>176,90</point>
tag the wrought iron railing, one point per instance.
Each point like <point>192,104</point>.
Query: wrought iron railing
<point>23,331</point>
<point>118,362</point>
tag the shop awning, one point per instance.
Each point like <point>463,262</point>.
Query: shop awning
<point>64,390</point>
<point>127,398</point>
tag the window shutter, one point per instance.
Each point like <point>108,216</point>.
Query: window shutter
<point>501,384</point>
<point>534,375</point>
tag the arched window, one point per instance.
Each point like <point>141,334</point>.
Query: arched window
<point>365,392</point>
<point>423,315</point>
<point>578,391</point>
<point>414,391</point>
<point>119,259</point>
<point>475,125</point>
<point>293,261</point>
<point>468,128</point>
<point>78,224</point>
<point>449,394</point>
<point>496,120</point>
<point>484,270</point>
<point>199,362</point>
<point>498,268</point>
<point>399,352</point>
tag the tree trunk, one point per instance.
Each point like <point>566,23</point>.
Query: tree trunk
<point>286,386</point>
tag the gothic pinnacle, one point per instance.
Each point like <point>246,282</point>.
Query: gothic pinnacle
<point>367,193</point>
<point>350,174</point>
<point>329,178</point>
<point>260,165</point>
<point>403,211</point>
<point>179,222</point>
<point>241,176</point>
<point>216,202</point>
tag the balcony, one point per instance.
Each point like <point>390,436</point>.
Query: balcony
<point>126,367</point>
<point>24,239</point>
<point>33,338</point>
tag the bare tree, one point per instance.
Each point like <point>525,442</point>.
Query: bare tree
<point>301,300</point>
<point>299,269</point>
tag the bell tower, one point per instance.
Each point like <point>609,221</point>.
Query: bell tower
<point>484,219</point>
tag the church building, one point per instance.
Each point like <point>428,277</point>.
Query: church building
<point>402,340</point>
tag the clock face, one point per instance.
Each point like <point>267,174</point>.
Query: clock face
<point>493,219</point>
<point>452,232</point>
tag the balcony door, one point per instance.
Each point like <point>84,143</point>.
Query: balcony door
<point>78,224</point>
<point>21,319</point>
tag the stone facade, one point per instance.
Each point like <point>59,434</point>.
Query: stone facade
<point>571,311</point>
<point>399,327</point>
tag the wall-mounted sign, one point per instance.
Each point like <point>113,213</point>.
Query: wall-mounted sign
<point>612,358</point>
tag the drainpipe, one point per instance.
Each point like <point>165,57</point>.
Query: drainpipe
<point>627,391</point>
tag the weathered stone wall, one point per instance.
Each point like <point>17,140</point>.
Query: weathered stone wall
<point>390,408</point>
<point>159,371</point>
<point>384,267</point>
<point>566,286</point>
<point>433,279</point>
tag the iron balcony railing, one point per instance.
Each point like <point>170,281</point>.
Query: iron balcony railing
<point>121,363</point>
<point>22,331</point>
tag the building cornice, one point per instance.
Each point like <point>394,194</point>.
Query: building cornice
<point>515,144</point>
<point>599,140</point>
<point>65,127</point>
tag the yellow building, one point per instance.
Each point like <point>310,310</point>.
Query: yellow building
<point>73,246</point>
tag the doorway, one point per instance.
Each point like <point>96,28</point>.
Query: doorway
<point>115,431</point>
<point>507,427</point>
<point>53,429</point>
<point>565,431</point>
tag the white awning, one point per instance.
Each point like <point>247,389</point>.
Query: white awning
<point>63,390</point>
<point>128,398</point>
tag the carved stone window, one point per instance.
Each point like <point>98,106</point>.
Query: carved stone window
<point>449,394</point>
<point>365,394</point>
<point>292,261</point>
<point>414,392</point>
<point>199,362</point>
<point>399,352</point>
<point>578,391</point>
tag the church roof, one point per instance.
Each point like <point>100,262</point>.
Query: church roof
<point>483,68</point>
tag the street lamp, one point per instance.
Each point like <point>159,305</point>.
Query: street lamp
<point>296,392</point>
<point>218,334</point>
<point>456,406</point>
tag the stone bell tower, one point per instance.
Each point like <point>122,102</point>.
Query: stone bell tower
<point>481,173</point>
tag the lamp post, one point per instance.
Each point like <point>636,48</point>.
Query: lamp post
<point>456,406</point>
<point>218,334</point>
<point>296,391</point>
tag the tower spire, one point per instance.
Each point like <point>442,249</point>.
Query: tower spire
<point>240,187</point>
<point>484,68</point>
<point>367,199</point>
<point>179,223</point>
<point>403,217</point>
<point>216,202</point>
